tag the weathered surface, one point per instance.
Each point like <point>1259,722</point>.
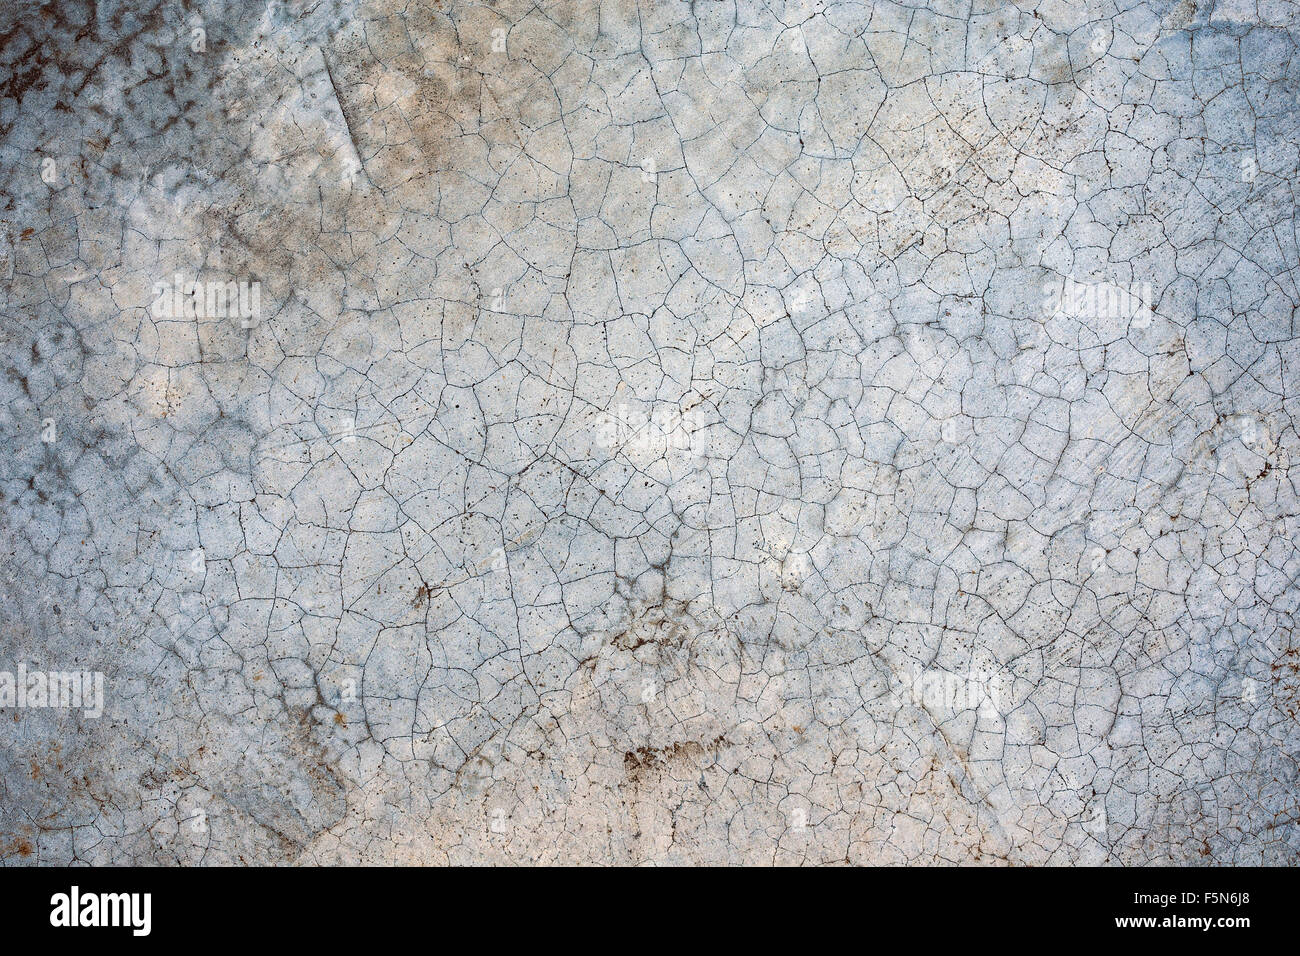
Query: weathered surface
<point>668,432</point>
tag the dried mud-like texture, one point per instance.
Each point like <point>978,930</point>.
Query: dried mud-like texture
<point>670,432</point>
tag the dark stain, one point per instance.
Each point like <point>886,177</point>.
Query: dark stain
<point>635,762</point>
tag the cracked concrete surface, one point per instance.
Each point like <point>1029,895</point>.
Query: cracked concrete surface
<point>651,432</point>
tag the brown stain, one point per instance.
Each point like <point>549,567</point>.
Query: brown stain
<point>1286,678</point>
<point>643,758</point>
<point>652,625</point>
<point>21,846</point>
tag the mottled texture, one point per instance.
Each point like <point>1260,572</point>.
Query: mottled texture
<point>669,433</point>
